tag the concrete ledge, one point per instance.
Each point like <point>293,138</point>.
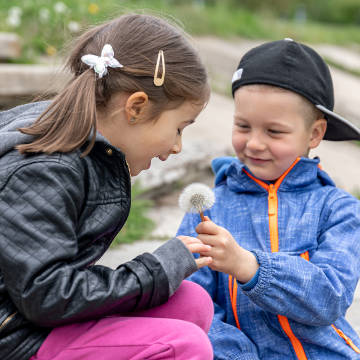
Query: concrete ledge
<point>10,46</point>
<point>19,82</point>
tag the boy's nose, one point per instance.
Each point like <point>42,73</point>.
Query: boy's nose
<point>255,142</point>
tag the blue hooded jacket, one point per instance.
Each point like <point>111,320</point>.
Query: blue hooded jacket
<point>305,233</point>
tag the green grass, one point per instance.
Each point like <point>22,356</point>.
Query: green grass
<point>138,224</point>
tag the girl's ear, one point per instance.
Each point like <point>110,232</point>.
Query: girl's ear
<point>317,132</point>
<point>135,106</point>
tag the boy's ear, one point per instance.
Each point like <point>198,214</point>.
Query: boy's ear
<point>318,130</point>
<point>135,106</point>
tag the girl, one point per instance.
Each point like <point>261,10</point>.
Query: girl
<point>65,170</point>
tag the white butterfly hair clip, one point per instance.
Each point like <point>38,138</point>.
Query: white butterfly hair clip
<point>100,63</point>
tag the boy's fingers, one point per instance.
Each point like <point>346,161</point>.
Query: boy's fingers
<point>189,239</point>
<point>208,239</point>
<point>207,227</point>
<point>203,261</point>
<point>197,248</point>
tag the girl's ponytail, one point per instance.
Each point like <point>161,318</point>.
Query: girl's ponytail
<point>69,120</point>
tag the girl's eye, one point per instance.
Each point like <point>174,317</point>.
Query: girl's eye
<point>179,131</point>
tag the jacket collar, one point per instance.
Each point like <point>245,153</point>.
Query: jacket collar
<point>304,174</point>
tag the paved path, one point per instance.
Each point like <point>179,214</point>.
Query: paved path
<point>210,136</point>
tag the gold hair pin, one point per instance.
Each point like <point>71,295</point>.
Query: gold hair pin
<point>158,81</point>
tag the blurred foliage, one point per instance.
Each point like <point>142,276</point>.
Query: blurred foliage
<point>138,224</point>
<point>327,11</point>
<point>45,25</point>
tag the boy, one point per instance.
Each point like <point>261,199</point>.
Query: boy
<point>286,250</point>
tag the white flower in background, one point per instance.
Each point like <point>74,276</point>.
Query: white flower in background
<point>15,11</point>
<point>13,21</point>
<point>14,16</point>
<point>44,15</point>
<point>60,7</point>
<point>73,26</point>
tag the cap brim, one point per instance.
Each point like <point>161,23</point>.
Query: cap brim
<point>338,128</point>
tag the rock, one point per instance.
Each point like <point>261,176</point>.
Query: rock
<point>10,46</point>
<point>21,83</point>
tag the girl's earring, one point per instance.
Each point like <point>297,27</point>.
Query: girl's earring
<point>132,120</point>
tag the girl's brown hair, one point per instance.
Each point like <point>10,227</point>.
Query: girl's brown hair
<point>136,39</point>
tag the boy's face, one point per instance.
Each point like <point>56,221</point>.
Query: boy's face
<point>269,130</point>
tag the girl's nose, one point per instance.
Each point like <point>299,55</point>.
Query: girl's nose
<point>176,149</point>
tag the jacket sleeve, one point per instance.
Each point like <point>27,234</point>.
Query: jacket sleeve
<point>319,291</point>
<point>39,251</point>
<point>229,343</point>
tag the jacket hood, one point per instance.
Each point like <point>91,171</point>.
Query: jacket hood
<point>305,173</point>
<point>18,117</point>
<point>23,116</point>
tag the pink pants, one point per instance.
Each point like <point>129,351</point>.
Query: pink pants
<point>175,330</point>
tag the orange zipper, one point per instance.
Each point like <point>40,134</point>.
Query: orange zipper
<point>295,342</point>
<point>347,339</point>
<point>233,296</point>
<point>274,243</point>
<point>273,218</point>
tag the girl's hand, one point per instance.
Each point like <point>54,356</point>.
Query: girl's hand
<point>196,246</point>
<point>228,256</point>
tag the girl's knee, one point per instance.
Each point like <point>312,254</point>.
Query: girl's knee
<point>193,343</point>
<point>199,304</point>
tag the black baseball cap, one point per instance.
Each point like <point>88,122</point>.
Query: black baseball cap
<point>296,67</point>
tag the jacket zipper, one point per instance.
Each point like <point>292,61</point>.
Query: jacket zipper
<point>3,324</point>
<point>233,296</point>
<point>273,218</point>
<point>274,244</point>
<point>346,338</point>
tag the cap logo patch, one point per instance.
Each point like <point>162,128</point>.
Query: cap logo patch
<point>237,75</point>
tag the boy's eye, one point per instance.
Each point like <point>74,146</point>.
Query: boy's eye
<point>243,126</point>
<point>272,131</point>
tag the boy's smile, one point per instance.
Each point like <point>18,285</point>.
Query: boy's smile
<point>270,130</point>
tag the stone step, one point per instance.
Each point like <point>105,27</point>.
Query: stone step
<point>21,83</point>
<point>10,46</point>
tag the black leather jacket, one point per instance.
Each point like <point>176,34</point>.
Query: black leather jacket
<point>59,213</point>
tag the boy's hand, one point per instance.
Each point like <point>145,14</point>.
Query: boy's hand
<point>228,256</point>
<point>196,246</point>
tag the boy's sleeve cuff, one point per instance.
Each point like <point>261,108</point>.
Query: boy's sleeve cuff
<point>252,282</point>
<point>264,275</point>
